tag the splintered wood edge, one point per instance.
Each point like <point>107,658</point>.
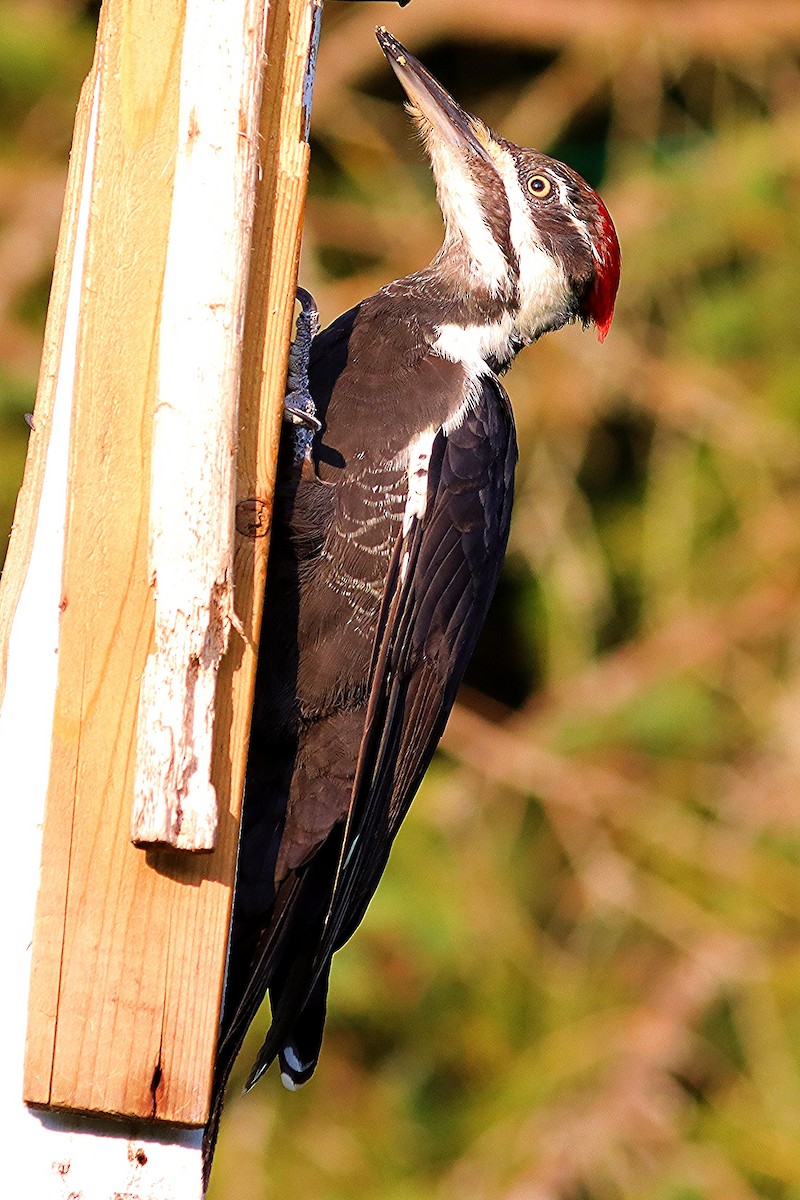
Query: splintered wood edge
<point>65,1146</point>
<point>51,1150</point>
<point>194,435</point>
<point>25,526</point>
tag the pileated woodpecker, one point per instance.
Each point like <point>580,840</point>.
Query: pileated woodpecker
<point>388,537</point>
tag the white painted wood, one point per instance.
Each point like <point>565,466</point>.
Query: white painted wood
<point>192,496</point>
<point>55,1156</point>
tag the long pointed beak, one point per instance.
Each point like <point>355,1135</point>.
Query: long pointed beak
<point>426,94</point>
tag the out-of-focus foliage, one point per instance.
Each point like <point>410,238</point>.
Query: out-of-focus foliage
<point>45,51</point>
<point>580,978</point>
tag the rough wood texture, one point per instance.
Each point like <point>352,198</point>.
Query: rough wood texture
<point>55,1154</point>
<point>129,947</point>
<point>284,155</point>
<point>194,433</point>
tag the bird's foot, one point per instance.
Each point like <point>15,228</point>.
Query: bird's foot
<point>299,416</point>
<point>298,407</point>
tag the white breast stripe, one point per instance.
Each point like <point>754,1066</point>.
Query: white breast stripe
<point>470,346</point>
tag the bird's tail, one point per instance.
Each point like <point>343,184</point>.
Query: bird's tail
<point>259,972</point>
<point>300,1048</point>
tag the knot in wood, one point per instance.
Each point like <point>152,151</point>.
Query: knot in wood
<point>253,517</point>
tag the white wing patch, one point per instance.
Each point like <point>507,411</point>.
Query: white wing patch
<point>418,456</point>
<point>419,461</point>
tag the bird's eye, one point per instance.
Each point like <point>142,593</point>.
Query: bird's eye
<point>540,186</point>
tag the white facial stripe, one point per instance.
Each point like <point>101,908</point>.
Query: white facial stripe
<point>582,230</point>
<point>574,218</point>
<point>543,286</point>
<point>463,216</point>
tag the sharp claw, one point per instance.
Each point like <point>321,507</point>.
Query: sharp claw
<point>307,301</point>
<point>298,405</point>
<point>299,416</point>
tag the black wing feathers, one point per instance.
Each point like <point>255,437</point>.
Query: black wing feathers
<point>432,613</point>
<point>440,583</point>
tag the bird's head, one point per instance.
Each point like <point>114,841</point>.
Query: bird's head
<point>519,226</point>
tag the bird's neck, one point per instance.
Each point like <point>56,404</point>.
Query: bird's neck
<point>498,305</point>
<point>484,344</point>
<point>467,321</point>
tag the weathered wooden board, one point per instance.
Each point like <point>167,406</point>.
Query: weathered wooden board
<point>129,945</point>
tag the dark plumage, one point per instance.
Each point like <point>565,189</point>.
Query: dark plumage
<point>387,545</point>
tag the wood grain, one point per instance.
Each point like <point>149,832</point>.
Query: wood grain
<point>199,341</point>
<point>129,946</point>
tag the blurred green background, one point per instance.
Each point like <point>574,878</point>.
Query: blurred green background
<point>580,978</point>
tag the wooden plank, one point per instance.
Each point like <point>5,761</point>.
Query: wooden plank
<point>80,989</point>
<point>130,946</point>
<point>55,1154</point>
<point>194,428</point>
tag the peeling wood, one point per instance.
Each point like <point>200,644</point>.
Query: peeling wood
<point>194,435</point>
<point>116,1022</point>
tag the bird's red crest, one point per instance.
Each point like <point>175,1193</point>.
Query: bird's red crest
<point>598,303</point>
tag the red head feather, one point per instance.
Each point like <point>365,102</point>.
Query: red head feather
<point>598,303</point>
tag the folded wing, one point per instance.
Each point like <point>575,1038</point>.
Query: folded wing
<point>443,575</point>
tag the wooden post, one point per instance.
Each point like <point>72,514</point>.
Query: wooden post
<point>129,945</point>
